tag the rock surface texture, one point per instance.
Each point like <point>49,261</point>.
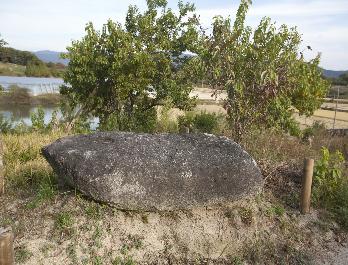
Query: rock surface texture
<point>155,171</point>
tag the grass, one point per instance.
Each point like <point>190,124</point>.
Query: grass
<point>64,221</point>
<point>25,167</point>
<point>130,243</point>
<point>265,251</point>
<point>93,210</point>
<point>9,69</point>
<point>22,254</point>
<point>330,185</point>
<point>276,210</point>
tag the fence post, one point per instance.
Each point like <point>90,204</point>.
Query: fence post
<point>338,96</point>
<point>306,185</point>
<point>6,247</point>
<point>2,177</point>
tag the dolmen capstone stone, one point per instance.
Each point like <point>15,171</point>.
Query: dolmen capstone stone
<point>137,171</point>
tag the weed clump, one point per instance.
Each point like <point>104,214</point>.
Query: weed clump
<point>330,185</point>
<point>202,122</point>
<point>64,221</point>
<point>22,255</point>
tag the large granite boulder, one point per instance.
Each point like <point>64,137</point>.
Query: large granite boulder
<point>155,171</point>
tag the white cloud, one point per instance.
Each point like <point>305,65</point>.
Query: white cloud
<point>320,23</point>
<point>301,8</point>
<point>51,24</point>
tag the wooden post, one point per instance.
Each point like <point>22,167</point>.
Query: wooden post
<point>2,177</point>
<point>6,247</point>
<point>338,95</point>
<point>306,185</point>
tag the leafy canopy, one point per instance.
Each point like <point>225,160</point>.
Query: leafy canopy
<point>121,73</point>
<point>263,72</point>
<point>2,42</point>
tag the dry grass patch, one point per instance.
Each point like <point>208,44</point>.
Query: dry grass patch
<point>25,167</point>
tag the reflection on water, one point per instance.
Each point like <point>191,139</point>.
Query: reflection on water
<point>36,85</point>
<point>21,113</point>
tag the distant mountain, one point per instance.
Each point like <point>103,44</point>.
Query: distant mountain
<point>332,73</point>
<point>51,56</point>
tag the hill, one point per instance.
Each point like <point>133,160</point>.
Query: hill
<point>333,73</point>
<point>15,62</point>
<point>51,56</point>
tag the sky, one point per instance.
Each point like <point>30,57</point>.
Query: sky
<point>51,24</point>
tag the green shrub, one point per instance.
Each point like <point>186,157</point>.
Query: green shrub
<point>5,124</point>
<point>327,176</point>
<point>330,185</point>
<point>38,119</point>
<point>202,122</point>
<point>205,122</point>
<point>139,121</point>
<point>186,120</point>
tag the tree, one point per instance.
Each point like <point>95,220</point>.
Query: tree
<point>343,79</point>
<point>10,55</point>
<point>123,72</point>
<point>263,72</point>
<point>2,42</point>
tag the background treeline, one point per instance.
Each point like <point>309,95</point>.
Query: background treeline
<point>342,80</point>
<point>33,65</point>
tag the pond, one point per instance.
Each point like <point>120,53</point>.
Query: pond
<point>36,85</point>
<point>21,113</point>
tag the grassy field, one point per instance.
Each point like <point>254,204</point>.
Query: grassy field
<point>10,69</point>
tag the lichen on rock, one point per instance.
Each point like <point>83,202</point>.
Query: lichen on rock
<point>137,171</point>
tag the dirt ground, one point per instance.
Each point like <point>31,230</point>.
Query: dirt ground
<point>97,234</point>
<point>321,115</point>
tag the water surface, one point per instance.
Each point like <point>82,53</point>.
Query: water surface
<point>36,85</point>
<point>21,113</point>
